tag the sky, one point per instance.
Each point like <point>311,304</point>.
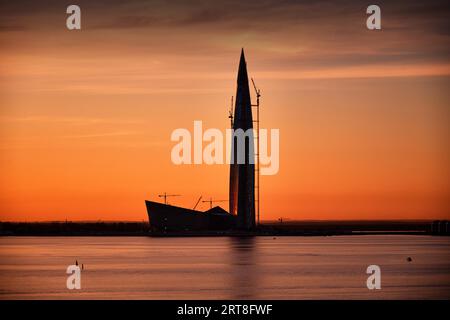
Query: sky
<point>86,115</point>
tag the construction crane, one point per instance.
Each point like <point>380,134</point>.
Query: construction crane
<point>211,201</point>
<point>258,94</point>
<point>196,204</point>
<point>165,196</point>
<point>230,113</point>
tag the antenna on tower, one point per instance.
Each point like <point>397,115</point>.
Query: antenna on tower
<point>258,94</point>
<point>230,113</point>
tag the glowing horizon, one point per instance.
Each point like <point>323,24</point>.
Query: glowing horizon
<point>87,115</point>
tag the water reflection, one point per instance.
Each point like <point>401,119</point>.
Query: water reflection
<point>225,268</point>
<point>244,268</point>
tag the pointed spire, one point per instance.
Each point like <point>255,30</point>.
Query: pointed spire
<point>242,73</point>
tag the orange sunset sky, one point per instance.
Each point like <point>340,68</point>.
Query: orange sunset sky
<point>86,116</point>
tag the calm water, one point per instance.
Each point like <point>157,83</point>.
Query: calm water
<point>225,268</point>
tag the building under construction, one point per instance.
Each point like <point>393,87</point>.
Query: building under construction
<point>168,218</point>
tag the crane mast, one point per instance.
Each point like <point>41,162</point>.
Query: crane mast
<point>257,169</point>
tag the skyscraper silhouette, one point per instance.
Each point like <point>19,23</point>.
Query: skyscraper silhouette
<point>242,175</point>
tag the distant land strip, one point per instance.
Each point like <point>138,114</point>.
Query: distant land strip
<point>268,228</point>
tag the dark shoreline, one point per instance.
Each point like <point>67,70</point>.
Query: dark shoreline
<point>290,228</point>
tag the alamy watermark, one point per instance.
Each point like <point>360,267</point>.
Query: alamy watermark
<point>74,278</point>
<point>373,22</point>
<point>73,22</point>
<point>189,149</point>
<point>374,280</point>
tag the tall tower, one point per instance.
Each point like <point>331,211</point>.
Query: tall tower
<point>242,175</point>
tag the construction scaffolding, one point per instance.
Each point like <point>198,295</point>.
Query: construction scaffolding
<point>257,182</point>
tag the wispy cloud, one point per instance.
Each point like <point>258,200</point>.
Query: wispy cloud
<point>103,134</point>
<point>68,120</point>
<point>179,39</point>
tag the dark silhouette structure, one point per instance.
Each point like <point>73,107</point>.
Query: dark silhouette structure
<point>167,218</point>
<point>242,175</point>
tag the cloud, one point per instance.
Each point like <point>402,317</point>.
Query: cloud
<point>68,120</point>
<point>103,134</point>
<point>190,38</point>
